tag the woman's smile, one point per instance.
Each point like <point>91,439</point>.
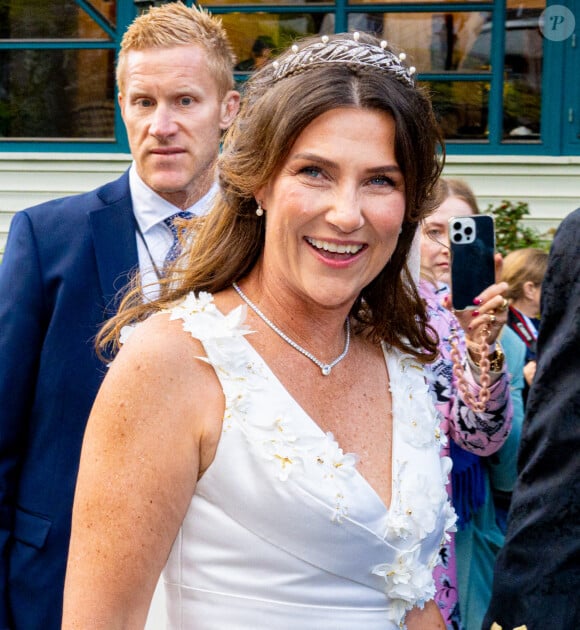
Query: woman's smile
<point>334,210</point>
<point>333,250</point>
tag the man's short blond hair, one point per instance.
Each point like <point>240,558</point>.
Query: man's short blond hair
<point>174,24</point>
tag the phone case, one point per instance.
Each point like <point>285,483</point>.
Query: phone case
<point>472,241</point>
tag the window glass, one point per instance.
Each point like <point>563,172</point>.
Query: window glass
<point>433,42</point>
<point>522,70</point>
<point>68,94</point>
<point>64,94</point>
<point>56,93</point>
<point>523,75</point>
<point>255,37</point>
<point>461,108</point>
<point>54,19</point>
<point>225,3</point>
<point>450,2</point>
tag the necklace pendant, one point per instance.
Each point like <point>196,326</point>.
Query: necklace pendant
<point>325,368</point>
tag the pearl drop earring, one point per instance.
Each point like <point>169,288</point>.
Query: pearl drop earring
<point>259,209</point>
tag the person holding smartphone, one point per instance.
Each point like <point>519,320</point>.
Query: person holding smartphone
<point>470,384</point>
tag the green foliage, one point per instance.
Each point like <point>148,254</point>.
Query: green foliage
<point>510,231</point>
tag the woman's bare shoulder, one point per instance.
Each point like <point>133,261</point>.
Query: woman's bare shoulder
<point>160,343</point>
<point>161,364</point>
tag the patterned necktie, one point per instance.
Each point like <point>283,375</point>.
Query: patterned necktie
<point>175,248</point>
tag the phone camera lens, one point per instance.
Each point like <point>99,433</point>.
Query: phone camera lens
<point>457,225</point>
<point>457,238</point>
<point>468,231</point>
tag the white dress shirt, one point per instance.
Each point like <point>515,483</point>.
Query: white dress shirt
<point>150,211</point>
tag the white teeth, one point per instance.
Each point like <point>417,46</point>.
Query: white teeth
<point>334,247</point>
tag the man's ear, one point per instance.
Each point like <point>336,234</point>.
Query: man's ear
<point>121,102</point>
<point>229,108</point>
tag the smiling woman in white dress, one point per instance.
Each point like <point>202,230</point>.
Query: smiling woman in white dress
<point>266,439</point>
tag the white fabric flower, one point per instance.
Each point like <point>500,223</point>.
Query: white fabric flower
<point>287,460</point>
<point>125,333</point>
<point>202,319</point>
<point>332,458</point>
<point>408,581</point>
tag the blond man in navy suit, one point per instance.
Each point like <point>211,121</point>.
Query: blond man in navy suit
<point>65,262</point>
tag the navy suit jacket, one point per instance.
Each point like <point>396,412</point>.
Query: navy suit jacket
<point>64,263</point>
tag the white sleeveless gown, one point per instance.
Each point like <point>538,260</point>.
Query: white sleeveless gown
<point>283,533</point>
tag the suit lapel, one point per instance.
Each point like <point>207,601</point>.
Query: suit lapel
<point>113,227</point>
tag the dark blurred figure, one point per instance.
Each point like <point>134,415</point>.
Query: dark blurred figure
<point>537,573</point>
<point>262,50</point>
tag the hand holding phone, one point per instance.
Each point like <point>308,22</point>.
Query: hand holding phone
<point>472,240</point>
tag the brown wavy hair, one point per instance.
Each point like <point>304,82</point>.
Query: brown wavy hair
<point>448,187</point>
<point>230,240</point>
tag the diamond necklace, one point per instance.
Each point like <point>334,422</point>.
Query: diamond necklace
<point>325,368</point>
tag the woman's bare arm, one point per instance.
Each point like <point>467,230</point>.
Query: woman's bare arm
<point>144,447</point>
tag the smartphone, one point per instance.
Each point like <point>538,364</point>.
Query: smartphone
<point>472,240</point>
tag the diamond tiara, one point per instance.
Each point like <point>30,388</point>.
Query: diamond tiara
<point>351,52</point>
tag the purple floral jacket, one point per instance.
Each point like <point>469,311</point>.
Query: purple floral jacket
<point>479,433</point>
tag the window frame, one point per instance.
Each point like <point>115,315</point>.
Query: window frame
<point>126,12</point>
<point>555,138</point>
